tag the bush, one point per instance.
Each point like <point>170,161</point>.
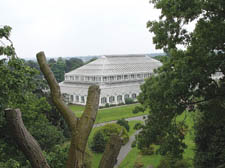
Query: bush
<point>168,162</point>
<point>147,151</point>
<point>137,126</point>
<point>58,156</point>
<point>164,163</point>
<point>120,104</point>
<point>138,165</point>
<point>124,123</point>
<point>182,164</point>
<point>129,101</point>
<point>133,144</point>
<point>138,109</point>
<point>99,142</point>
<point>106,131</point>
<point>106,105</point>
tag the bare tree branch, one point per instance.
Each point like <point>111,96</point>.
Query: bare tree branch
<point>81,133</point>
<point>24,139</point>
<point>67,114</point>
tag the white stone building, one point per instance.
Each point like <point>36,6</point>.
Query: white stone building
<point>119,77</point>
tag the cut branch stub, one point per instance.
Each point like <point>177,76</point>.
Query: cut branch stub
<point>24,139</point>
<point>111,152</point>
<point>67,114</point>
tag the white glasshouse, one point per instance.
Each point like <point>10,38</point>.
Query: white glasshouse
<point>119,77</point>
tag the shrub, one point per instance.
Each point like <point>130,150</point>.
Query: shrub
<point>58,156</point>
<point>129,101</point>
<point>133,144</point>
<point>168,162</point>
<point>137,126</point>
<point>138,109</point>
<point>106,105</point>
<point>124,124</point>
<point>120,104</point>
<point>138,165</point>
<point>164,163</point>
<point>98,143</point>
<point>147,151</point>
<point>182,164</point>
<point>106,132</point>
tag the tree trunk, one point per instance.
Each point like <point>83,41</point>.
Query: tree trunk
<point>80,127</point>
<point>24,139</point>
<point>111,152</point>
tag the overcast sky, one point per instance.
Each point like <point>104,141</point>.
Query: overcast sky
<point>65,28</point>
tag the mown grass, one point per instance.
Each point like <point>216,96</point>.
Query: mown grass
<point>134,154</point>
<point>96,157</point>
<point>110,114</point>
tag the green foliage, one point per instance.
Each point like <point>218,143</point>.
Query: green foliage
<point>210,135</point>
<point>62,66</point>
<point>138,109</point>
<point>185,79</point>
<point>124,124</point>
<point>6,50</point>
<point>138,126</point>
<point>58,156</point>
<point>18,90</point>
<point>129,101</point>
<point>98,142</point>
<point>164,163</point>
<point>148,150</point>
<point>103,134</point>
<point>107,105</point>
<point>168,162</point>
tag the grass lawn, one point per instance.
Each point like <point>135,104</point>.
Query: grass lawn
<point>109,114</point>
<point>134,154</point>
<point>96,157</point>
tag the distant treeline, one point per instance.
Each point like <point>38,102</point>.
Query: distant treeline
<point>59,66</point>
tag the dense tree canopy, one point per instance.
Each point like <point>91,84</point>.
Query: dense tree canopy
<point>18,85</point>
<point>186,79</point>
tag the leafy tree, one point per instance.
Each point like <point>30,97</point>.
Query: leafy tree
<point>18,84</point>
<point>124,124</point>
<point>72,64</point>
<point>98,142</point>
<point>186,79</point>
<point>209,135</point>
<point>21,96</point>
<point>102,135</point>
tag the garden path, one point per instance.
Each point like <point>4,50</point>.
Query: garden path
<point>128,119</point>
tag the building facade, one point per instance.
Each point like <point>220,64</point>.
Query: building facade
<point>118,76</point>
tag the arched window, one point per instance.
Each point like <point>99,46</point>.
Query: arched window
<point>134,96</point>
<point>126,96</point>
<point>119,99</point>
<point>71,98</point>
<point>104,78</point>
<point>119,77</point>
<point>71,77</point>
<point>103,100</point>
<point>82,99</point>
<point>77,98</point>
<point>111,99</point>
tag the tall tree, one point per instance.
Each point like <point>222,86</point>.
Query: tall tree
<point>188,77</point>
<point>17,91</point>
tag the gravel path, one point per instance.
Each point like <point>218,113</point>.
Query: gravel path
<point>128,119</point>
<point>125,149</point>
